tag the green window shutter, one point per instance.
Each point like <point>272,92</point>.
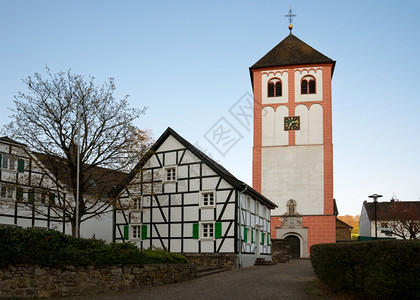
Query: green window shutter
<point>262,238</point>
<point>21,165</point>
<point>143,232</point>
<point>31,196</point>
<point>126,232</point>
<point>19,194</point>
<point>252,235</point>
<point>196,227</point>
<point>218,230</point>
<point>245,234</point>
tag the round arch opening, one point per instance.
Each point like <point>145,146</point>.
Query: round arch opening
<point>294,242</point>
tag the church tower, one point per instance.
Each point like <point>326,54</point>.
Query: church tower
<point>293,150</point>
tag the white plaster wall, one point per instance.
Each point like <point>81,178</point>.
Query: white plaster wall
<point>209,183</point>
<point>170,158</point>
<point>294,172</point>
<point>311,125</point>
<point>299,74</point>
<point>283,75</point>
<point>273,133</point>
<point>364,223</point>
<point>175,246</point>
<point>189,157</point>
<point>170,144</point>
<point>175,230</point>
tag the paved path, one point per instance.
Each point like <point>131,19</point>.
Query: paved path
<point>281,281</point>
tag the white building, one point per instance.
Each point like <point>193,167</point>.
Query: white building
<point>392,219</point>
<point>181,200</point>
<point>32,188</point>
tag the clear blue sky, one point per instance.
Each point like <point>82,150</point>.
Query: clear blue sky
<point>188,62</point>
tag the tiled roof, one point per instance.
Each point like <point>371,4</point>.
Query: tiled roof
<point>341,224</point>
<point>385,211</point>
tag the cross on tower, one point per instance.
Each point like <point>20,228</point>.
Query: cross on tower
<point>290,17</point>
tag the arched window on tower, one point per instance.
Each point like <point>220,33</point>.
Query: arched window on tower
<point>274,88</point>
<point>308,85</point>
<point>291,207</point>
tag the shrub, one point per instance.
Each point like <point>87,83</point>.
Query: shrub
<point>372,269</point>
<point>52,248</point>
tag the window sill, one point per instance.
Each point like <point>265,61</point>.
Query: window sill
<point>207,239</point>
<point>207,206</point>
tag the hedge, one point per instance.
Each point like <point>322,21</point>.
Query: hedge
<point>376,269</point>
<point>55,249</point>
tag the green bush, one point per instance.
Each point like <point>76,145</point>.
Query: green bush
<point>374,269</point>
<point>52,248</point>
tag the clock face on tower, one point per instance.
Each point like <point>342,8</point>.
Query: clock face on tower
<point>292,123</point>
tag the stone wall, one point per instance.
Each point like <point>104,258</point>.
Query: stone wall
<point>227,260</point>
<point>36,281</point>
<point>280,250</point>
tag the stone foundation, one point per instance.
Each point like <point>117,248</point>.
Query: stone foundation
<point>36,281</point>
<point>280,250</point>
<point>227,260</point>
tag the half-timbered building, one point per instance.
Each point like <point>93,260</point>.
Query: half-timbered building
<point>181,200</point>
<point>33,190</point>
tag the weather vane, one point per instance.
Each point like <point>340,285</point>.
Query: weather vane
<point>290,17</point>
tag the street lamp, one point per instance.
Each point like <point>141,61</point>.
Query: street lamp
<point>375,201</point>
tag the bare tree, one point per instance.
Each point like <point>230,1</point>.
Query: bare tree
<point>45,118</point>
<point>404,219</point>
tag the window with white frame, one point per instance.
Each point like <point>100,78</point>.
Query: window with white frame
<point>135,231</point>
<point>169,174</point>
<point>208,198</point>
<point>207,230</point>
<point>7,192</point>
<point>8,163</point>
<point>248,203</point>
<point>137,203</point>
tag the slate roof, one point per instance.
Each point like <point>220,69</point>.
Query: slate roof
<point>10,141</point>
<point>220,170</point>
<point>385,212</point>
<point>291,51</point>
<point>100,181</point>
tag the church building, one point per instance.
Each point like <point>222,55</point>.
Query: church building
<point>293,150</point>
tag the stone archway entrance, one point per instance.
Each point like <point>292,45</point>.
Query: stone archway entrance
<point>294,242</point>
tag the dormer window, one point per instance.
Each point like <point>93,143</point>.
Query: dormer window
<point>308,85</point>
<point>274,88</point>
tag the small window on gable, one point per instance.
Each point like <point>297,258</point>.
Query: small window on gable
<point>308,85</point>
<point>208,199</point>
<point>274,88</point>
<point>169,174</point>
<point>291,207</point>
<point>137,203</point>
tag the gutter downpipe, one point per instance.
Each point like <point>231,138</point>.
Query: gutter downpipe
<point>240,226</point>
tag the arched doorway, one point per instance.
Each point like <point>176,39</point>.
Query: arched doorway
<point>294,242</point>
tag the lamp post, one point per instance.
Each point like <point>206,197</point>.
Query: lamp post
<point>375,201</point>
